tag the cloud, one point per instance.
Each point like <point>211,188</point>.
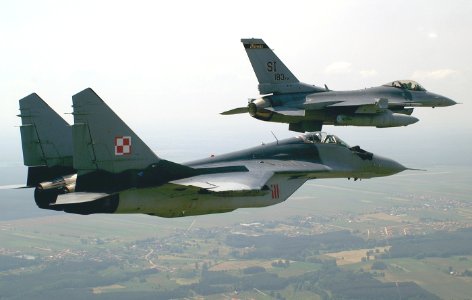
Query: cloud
<point>368,73</point>
<point>434,74</point>
<point>428,33</point>
<point>339,67</point>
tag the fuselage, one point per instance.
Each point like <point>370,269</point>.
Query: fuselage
<point>290,163</point>
<point>382,106</point>
<point>341,160</point>
<point>332,151</point>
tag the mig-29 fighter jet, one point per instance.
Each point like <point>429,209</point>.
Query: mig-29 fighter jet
<point>307,107</point>
<point>114,171</point>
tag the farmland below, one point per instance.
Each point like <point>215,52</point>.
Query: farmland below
<point>405,236</point>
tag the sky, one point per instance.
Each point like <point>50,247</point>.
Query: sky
<point>168,68</point>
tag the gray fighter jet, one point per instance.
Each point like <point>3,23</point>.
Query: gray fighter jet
<point>114,171</point>
<point>307,107</point>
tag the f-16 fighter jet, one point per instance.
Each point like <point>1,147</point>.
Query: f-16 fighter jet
<point>114,171</point>
<point>307,107</point>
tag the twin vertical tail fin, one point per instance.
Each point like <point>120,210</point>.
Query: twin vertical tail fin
<point>271,72</point>
<point>108,155</point>
<point>102,141</point>
<point>46,141</point>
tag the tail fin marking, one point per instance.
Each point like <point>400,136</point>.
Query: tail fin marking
<point>102,141</point>
<point>271,72</point>
<point>267,66</point>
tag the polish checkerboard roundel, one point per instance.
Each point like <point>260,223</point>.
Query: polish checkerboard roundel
<point>122,145</point>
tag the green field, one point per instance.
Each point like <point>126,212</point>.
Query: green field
<point>120,254</point>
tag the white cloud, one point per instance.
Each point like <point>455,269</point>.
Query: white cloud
<point>368,73</point>
<point>429,33</point>
<point>338,67</point>
<point>434,74</point>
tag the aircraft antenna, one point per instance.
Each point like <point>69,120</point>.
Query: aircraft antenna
<point>275,137</point>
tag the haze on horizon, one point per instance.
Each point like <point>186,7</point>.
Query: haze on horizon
<point>169,69</point>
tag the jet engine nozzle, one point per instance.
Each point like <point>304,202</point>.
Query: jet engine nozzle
<point>60,182</point>
<point>46,192</point>
<point>257,108</point>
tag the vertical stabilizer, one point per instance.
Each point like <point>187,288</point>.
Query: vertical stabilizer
<point>102,141</point>
<point>45,136</point>
<point>271,72</point>
<point>46,139</point>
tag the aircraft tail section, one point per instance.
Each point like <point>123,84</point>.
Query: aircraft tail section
<point>271,72</point>
<point>46,141</point>
<point>102,141</point>
<point>45,136</point>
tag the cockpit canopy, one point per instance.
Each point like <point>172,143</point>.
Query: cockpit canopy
<point>406,85</point>
<point>322,138</point>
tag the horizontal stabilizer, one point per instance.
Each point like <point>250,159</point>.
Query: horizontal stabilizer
<point>13,186</point>
<point>235,111</point>
<point>79,197</point>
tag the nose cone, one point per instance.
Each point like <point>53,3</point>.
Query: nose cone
<point>447,102</point>
<point>436,100</point>
<point>385,166</point>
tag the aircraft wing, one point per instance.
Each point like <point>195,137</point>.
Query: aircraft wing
<point>287,111</point>
<point>257,176</point>
<point>365,105</point>
<point>361,103</point>
<point>224,182</point>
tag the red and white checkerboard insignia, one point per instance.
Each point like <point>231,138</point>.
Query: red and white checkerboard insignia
<point>122,145</point>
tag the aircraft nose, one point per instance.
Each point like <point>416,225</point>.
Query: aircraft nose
<point>447,102</point>
<point>386,166</point>
<point>440,100</point>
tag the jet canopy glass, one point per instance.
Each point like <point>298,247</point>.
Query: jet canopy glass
<point>322,138</point>
<point>406,85</point>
